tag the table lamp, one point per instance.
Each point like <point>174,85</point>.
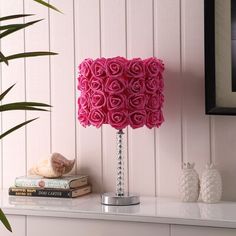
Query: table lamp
<point>121,92</point>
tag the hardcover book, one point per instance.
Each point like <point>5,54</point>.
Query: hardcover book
<point>64,182</point>
<point>47,192</point>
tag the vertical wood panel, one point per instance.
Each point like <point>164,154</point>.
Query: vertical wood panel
<point>222,127</point>
<point>195,122</point>
<point>223,149</point>
<point>62,79</point>
<point>113,43</point>
<point>37,84</point>
<point>141,141</point>
<point>167,47</point>
<point>17,224</point>
<point>14,152</point>
<point>87,45</point>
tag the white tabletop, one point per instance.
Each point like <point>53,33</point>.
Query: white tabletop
<point>151,210</point>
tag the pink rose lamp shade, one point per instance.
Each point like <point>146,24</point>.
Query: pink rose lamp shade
<point>121,92</point>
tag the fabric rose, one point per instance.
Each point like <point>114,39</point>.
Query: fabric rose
<point>97,117</point>
<point>161,66</point>
<point>98,68</point>
<point>115,85</point>
<point>135,68</point>
<point>116,102</point>
<point>115,66</point>
<point>136,102</point>
<point>83,84</point>
<point>136,85</point>
<point>153,66</point>
<point>84,101</point>
<point>155,102</point>
<point>83,117</point>
<point>85,68</point>
<point>118,119</point>
<point>122,59</point>
<point>152,85</point>
<point>97,84</point>
<point>161,100</point>
<point>137,119</point>
<point>154,119</point>
<point>98,100</point>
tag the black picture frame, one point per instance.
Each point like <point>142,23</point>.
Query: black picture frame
<point>211,107</point>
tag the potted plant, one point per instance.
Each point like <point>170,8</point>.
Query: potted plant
<point>6,29</point>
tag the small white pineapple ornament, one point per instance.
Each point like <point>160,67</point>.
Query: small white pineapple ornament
<point>189,183</point>
<point>211,185</point>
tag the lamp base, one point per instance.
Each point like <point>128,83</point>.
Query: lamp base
<point>113,200</point>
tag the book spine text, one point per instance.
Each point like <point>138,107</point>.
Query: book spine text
<point>40,193</point>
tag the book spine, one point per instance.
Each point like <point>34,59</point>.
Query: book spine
<point>40,193</point>
<point>43,183</point>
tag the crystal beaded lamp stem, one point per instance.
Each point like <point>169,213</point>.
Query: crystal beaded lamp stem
<point>120,198</point>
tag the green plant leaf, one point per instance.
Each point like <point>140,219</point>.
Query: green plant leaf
<point>29,54</point>
<point>35,104</point>
<point>3,58</point>
<point>16,127</point>
<point>11,26</point>
<point>5,221</point>
<point>21,26</point>
<point>6,92</point>
<point>30,106</point>
<point>11,17</point>
<point>47,5</point>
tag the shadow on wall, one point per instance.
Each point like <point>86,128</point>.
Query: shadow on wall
<point>189,87</point>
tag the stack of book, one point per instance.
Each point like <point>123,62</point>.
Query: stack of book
<point>70,186</point>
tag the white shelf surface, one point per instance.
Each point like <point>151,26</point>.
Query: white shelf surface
<point>151,210</point>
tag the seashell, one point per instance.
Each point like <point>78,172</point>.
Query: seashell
<point>54,166</point>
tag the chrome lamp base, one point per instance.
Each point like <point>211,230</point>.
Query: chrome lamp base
<point>112,199</point>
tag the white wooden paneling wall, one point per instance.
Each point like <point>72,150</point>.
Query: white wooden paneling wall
<point>38,86</point>
<point>87,45</point>
<point>14,146</point>
<point>169,137</point>
<point>171,30</point>
<point>63,79</point>
<point>196,134</point>
<point>142,160</point>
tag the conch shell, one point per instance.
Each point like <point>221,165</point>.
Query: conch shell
<point>54,166</point>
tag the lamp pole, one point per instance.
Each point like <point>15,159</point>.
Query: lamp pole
<point>120,164</point>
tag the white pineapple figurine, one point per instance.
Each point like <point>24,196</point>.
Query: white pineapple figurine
<point>189,183</point>
<point>211,185</point>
